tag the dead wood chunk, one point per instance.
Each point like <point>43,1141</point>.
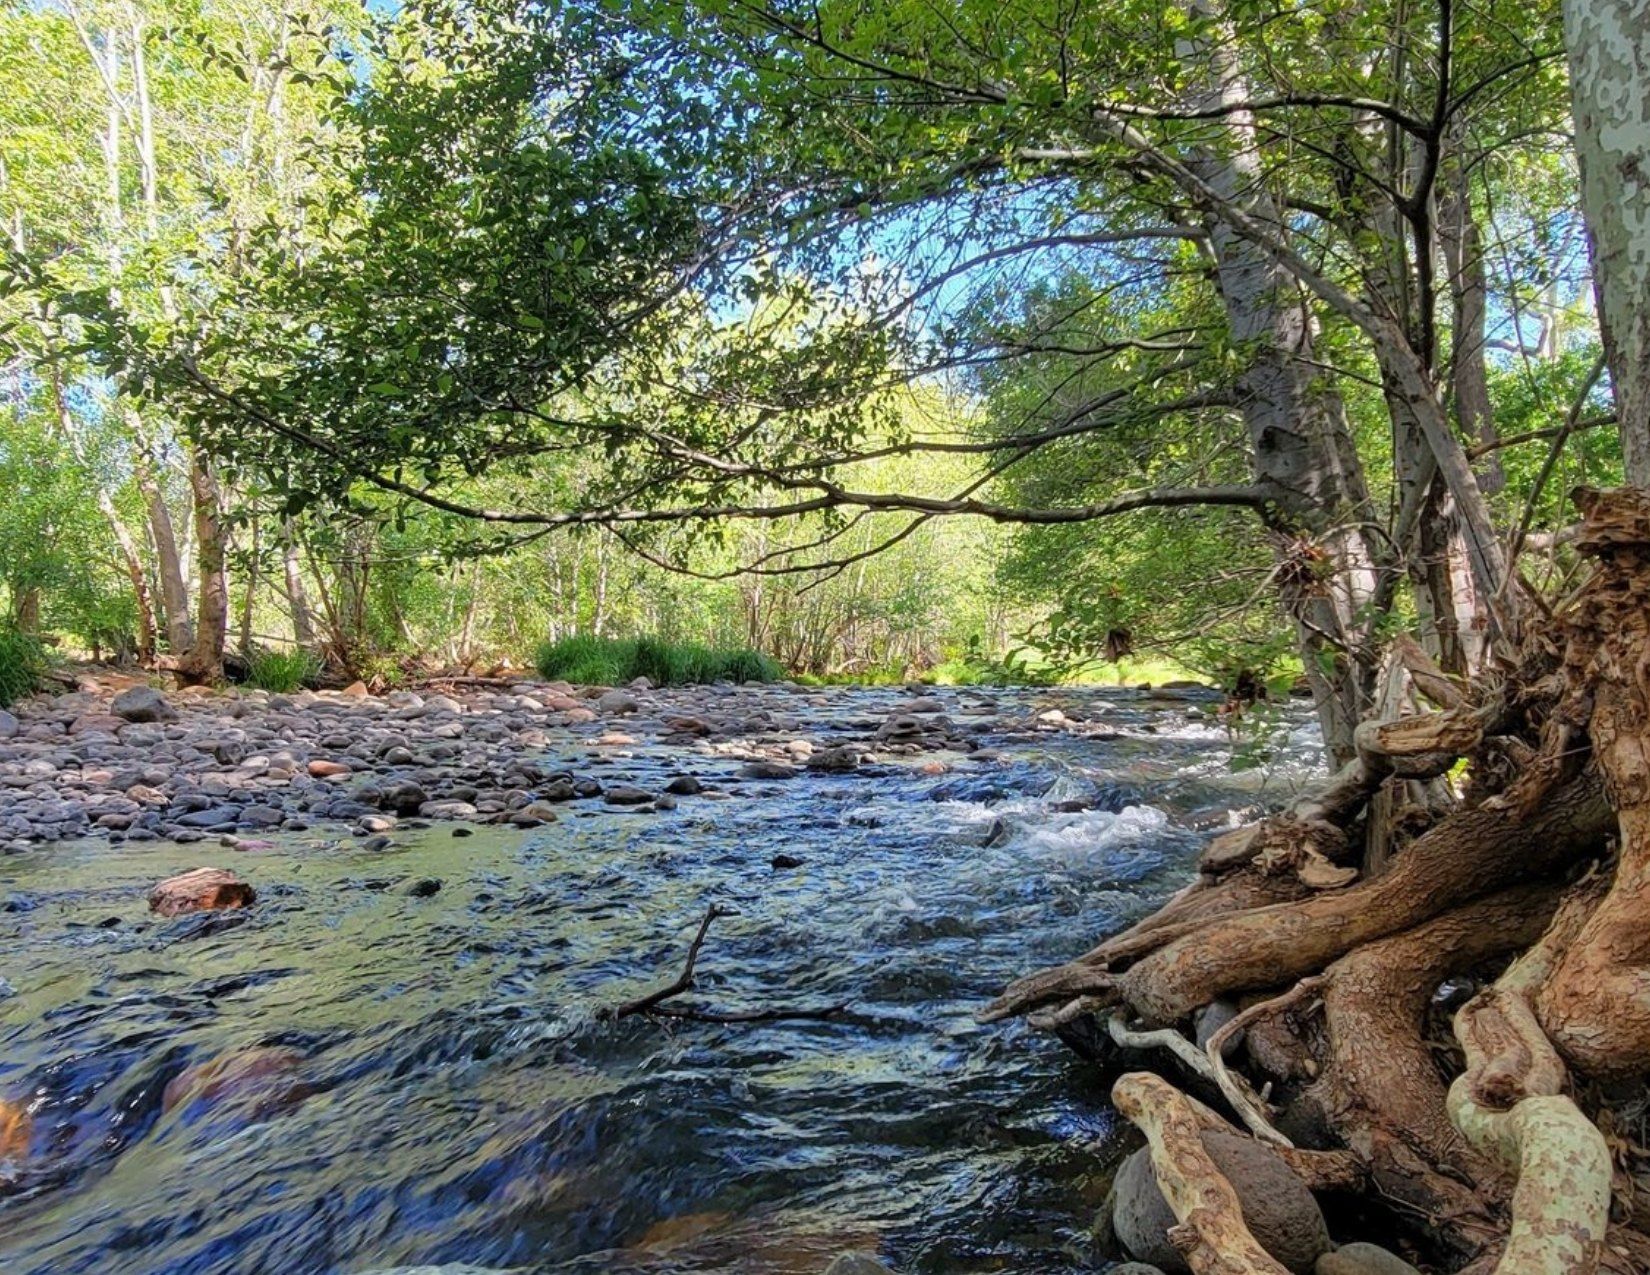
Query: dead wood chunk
<point>1277,1208</point>
<point>202,890</point>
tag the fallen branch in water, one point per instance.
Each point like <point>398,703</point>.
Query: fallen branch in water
<point>653,1002</point>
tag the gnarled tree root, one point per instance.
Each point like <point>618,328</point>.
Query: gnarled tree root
<point>1509,1104</point>
<point>1465,856</point>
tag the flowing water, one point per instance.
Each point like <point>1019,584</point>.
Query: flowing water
<point>445,1089</point>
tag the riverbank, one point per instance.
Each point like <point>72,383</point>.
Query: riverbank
<point>120,759</point>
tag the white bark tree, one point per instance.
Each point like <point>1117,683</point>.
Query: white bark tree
<point>1609,49</point>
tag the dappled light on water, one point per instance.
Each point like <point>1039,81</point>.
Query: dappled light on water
<point>358,1074</point>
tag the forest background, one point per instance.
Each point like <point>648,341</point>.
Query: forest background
<point>176,164</point>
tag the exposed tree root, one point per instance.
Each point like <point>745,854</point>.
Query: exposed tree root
<point>1467,855</point>
<point>1501,1171</point>
<point>1509,1104</point>
<point>1381,1081</point>
<point>1211,1234</point>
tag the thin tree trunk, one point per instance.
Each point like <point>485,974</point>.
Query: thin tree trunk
<point>174,592</point>
<point>248,597</point>
<point>205,659</point>
<point>303,624</point>
<point>1299,438</point>
<point>1463,255</point>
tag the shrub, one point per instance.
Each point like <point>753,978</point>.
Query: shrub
<point>593,661</point>
<point>282,671</point>
<point>23,664</point>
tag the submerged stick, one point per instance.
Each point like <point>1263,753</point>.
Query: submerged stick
<point>653,1003</point>
<point>684,980</point>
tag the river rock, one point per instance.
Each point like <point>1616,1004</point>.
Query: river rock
<point>16,1128</point>
<point>321,768</point>
<point>769,770</point>
<point>838,760</point>
<point>401,796</point>
<point>856,1264</point>
<point>685,786</point>
<point>1277,1208</point>
<point>263,1075</point>
<point>1362,1259</point>
<point>558,789</point>
<point>203,889</point>
<point>627,795</point>
<point>9,725</point>
<point>1135,1268</point>
<point>143,704</point>
<point>447,810</point>
<point>1210,1019</point>
<point>616,703</point>
<point>533,814</point>
<point>211,817</point>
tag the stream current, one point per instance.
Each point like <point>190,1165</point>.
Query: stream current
<point>448,1092</point>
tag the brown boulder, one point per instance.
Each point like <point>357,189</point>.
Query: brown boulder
<point>262,1076</point>
<point>16,1125</point>
<point>202,890</point>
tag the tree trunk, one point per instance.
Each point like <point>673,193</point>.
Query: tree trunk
<point>1609,47</point>
<point>174,592</point>
<point>251,591</point>
<point>1300,442</point>
<point>303,624</point>
<point>204,662</point>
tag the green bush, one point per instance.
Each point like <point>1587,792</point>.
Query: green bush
<point>592,661</point>
<point>23,664</point>
<point>282,671</point>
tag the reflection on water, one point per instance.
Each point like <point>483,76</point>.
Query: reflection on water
<point>383,1079</point>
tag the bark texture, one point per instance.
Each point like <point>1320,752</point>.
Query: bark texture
<point>1609,48</point>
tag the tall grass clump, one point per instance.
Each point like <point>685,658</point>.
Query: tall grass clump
<point>593,661</point>
<point>282,671</point>
<point>23,665</point>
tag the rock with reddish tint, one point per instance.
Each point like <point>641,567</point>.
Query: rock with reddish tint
<point>203,890</point>
<point>16,1126</point>
<point>263,1078</point>
<point>323,769</point>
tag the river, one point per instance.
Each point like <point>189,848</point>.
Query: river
<point>443,1087</point>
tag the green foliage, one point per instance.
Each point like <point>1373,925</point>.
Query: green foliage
<point>282,671</point>
<point>594,661</point>
<point>1018,667</point>
<point>23,663</point>
<point>586,661</point>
